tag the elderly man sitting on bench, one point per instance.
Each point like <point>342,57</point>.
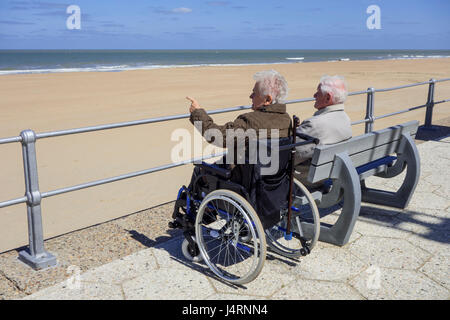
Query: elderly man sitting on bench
<point>329,124</point>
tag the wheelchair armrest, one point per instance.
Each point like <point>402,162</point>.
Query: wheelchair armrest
<point>307,137</point>
<point>214,170</point>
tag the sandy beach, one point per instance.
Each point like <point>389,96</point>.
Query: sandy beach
<point>50,102</point>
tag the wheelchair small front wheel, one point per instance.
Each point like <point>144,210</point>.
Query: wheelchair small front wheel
<point>233,245</point>
<point>191,252</point>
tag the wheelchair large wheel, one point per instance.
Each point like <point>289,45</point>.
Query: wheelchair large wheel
<point>230,237</point>
<point>305,226</point>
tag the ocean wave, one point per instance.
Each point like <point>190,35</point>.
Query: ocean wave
<point>126,68</point>
<point>414,57</point>
<point>129,67</point>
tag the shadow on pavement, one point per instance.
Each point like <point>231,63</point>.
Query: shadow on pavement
<point>437,227</point>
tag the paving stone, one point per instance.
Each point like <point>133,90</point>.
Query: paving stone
<point>438,213</point>
<point>394,183</point>
<point>272,278</point>
<point>443,191</point>
<point>317,290</point>
<point>85,291</point>
<point>229,296</point>
<point>434,155</point>
<point>123,269</point>
<point>430,187</point>
<point>397,284</point>
<point>169,255</point>
<point>330,263</point>
<point>166,284</point>
<point>433,241</point>
<point>380,226</point>
<point>388,252</point>
<point>423,222</point>
<point>438,269</point>
<point>428,200</point>
<point>372,284</point>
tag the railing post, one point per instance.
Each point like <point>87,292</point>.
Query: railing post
<point>35,256</point>
<point>369,110</point>
<point>430,105</point>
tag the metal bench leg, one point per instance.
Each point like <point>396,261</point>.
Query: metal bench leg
<point>339,233</point>
<point>407,156</point>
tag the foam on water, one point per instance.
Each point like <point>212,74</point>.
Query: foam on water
<point>60,61</point>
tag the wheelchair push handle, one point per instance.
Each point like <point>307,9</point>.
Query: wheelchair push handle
<point>296,123</point>
<point>307,137</point>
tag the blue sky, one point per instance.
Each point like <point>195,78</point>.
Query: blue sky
<point>244,24</point>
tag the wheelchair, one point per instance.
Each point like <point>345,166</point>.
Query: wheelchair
<point>229,223</point>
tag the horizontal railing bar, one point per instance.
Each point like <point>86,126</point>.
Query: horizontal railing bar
<point>402,87</point>
<point>146,121</point>
<point>359,122</point>
<point>299,100</point>
<point>411,85</point>
<point>130,123</point>
<point>357,92</point>
<point>187,115</point>
<point>107,126</point>
<point>125,176</point>
<point>406,110</point>
<point>10,140</point>
<point>399,112</point>
<point>442,80</point>
<point>13,202</point>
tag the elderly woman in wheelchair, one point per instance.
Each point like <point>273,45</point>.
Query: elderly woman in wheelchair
<point>228,219</point>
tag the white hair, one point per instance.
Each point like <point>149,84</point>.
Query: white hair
<point>272,83</point>
<point>335,86</point>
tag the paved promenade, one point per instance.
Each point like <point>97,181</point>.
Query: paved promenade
<point>392,254</point>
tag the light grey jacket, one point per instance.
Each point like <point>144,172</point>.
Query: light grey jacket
<point>330,125</point>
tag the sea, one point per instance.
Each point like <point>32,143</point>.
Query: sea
<point>50,61</point>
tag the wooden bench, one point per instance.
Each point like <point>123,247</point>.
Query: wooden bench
<point>345,166</point>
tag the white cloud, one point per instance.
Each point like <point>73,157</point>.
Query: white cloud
<point>181,10</point>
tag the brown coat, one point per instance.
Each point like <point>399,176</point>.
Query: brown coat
<point>268,117</point>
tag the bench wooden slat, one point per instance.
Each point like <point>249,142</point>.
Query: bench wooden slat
<point>325,153</point>
<point>323,171</point>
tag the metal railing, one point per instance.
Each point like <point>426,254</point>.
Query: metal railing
<point>38,258</point>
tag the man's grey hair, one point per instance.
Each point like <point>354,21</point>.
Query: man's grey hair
<point>272,83</point>
<point>336,86</point>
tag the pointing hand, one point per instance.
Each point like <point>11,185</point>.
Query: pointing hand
<point>194,104</point>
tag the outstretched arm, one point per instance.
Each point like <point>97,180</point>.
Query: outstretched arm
<point>207,123</point>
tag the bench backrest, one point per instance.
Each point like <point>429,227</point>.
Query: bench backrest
<point>361,149</point>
